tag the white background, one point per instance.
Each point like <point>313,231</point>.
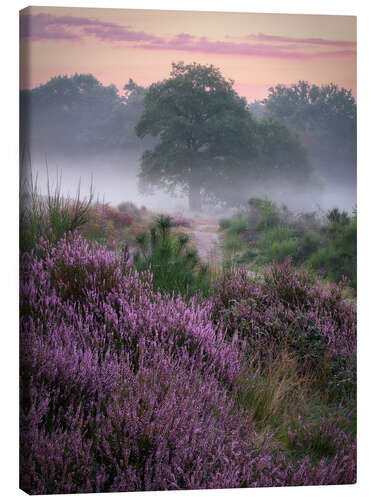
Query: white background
<point>366,198</point>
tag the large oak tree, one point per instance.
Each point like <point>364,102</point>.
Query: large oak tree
<point>204,131</point>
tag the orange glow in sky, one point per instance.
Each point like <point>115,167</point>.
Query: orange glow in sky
<point>257,51</point>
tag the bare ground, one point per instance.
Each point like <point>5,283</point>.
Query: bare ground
<point>204,234</point>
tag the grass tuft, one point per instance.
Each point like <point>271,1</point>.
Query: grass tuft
<point>50,216</point>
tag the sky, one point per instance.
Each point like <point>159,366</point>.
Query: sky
<point>257,51</point>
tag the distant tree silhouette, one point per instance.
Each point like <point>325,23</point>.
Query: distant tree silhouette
<point>79,114</point>
<point>325,118</point>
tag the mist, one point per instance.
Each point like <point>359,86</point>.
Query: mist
<point>73,143</point>
<point>114,179</point>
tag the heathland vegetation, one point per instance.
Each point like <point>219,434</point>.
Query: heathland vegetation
<point>324,242</point>
<point>144,368</point>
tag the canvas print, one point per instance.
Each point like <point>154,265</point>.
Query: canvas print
<point>187,250</point>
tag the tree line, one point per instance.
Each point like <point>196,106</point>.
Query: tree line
<point>195,133</point>
<point>78,114</point>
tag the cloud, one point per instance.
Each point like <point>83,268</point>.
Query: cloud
<point>309,41</point>
<point>69,28</point>
<point>49,27</point>
<point>44,27</point>
<point>118,33</point>
<point>262,50</point>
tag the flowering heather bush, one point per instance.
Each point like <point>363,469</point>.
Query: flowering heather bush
<point>107,225</point>
<point>180,220</point>
<point>289,310</point>
<point>125,389</point>
<point>105,214</point>
<point>324,438</point>
<point>133,383</point>
<point>328,445</point>
<point>120,219</point>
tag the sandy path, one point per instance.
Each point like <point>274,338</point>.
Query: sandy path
<point>204,233</point>
<point>205,236</point>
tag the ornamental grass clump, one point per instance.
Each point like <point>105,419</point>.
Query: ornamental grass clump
<point>272,393</point>
<point>52,215</point>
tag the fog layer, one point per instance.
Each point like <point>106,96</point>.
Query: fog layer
<point>76,130</point>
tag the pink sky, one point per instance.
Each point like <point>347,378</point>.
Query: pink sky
<point>255,50</point>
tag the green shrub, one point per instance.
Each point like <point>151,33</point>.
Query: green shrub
<point>248,255</point>
<point>233,245</point>
<point>279,233</point>
<point>335,217</point>
<point>335,263</point>
<point>264,214</point>
<point>280,250</point>
<point>339,257</point>
<point>277,243</point>
<point>268,234</point>
<point>224,223</point>
<point>308,243</point>
<point>238,225</point>
<point>308,220</point>
<point>129,208</point>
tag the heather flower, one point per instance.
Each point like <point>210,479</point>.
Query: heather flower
<point>125,389</point>
<point>289,310</point>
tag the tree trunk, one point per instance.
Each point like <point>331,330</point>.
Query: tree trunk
<point>195,201</point>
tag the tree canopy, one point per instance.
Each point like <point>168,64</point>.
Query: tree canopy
<point>79,114</point>
<point>203,127</point>
<point>201,136</point>
<point>209,143</point>
<point>325,118</point>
